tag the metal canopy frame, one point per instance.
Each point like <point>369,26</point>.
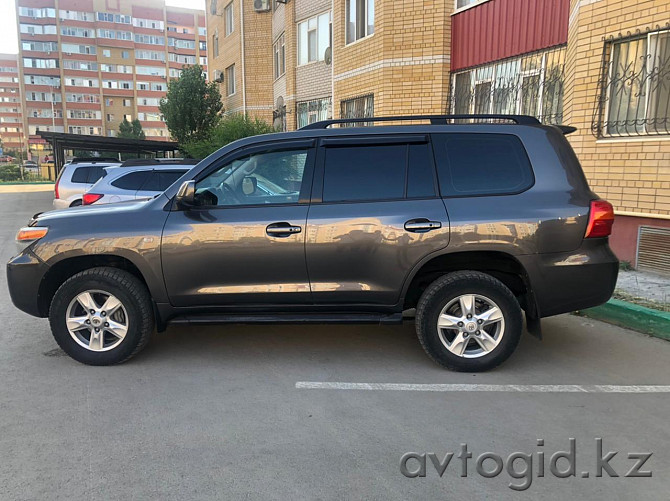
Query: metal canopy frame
<point>60,141</point>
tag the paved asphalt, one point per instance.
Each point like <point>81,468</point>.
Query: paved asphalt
<point>214,413</point>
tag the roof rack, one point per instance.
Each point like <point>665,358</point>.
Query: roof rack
<point>135,162</point>
<point>434,119</point>
<point>95,160</point>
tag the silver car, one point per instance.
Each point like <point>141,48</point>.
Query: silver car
<point>78,176</point>
<point>135,182</point>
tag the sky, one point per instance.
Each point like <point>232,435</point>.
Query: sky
<point>9,43</point>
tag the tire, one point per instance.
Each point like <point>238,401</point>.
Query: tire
<point>121,335</point>
<point>76,203</point>
<point>465,344</point>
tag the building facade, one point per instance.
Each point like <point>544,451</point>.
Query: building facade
<point>602,66</point>
<point>85,65</point>
<point>11,113</point>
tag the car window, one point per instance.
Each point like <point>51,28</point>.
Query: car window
<point>161,180</point>
<point>80,175</point>
<point>481,164</point>
<point>421,172</point>
<point>87,175</point>
<point>131,181</point>
<point>365,172</point>
<point>263,178</point>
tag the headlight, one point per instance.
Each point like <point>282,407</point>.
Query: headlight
<point>29,234</point>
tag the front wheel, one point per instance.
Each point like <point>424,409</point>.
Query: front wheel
<point>468,321</point>
<point>102,316</point>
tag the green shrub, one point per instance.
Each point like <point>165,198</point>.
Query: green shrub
<point>230,128</point>
<point>10,173</point>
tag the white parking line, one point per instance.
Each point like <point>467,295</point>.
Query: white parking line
<point>505,388</point>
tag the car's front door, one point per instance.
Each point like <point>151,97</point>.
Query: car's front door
<point>244,240</point>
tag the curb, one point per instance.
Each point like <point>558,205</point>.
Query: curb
<point>632,316</point>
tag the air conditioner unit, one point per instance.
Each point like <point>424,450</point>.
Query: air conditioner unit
<point>261,5</point>
<point>218,76</point>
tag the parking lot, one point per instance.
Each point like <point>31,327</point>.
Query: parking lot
<point>249,412</point>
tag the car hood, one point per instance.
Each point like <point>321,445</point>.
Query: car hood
<point>121,208</point>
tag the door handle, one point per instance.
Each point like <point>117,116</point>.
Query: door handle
<point>282,229</point>
<point>422,225</point>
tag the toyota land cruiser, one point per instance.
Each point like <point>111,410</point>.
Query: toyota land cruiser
<point>469,220</point>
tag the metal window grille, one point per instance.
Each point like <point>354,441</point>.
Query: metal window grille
<point>531,84</point>
<point>634,96</point>
<point>358,107</point>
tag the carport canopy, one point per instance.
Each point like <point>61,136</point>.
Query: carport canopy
<point>61,141</point>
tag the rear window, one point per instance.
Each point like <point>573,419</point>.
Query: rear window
<point>131,181</point>
<point>161,180</point>
<point>87,175</point>
<point>481,164</point>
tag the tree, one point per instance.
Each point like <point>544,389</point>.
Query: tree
<point>230,128</point>
<point>191,106</point>
<point>130,130</point>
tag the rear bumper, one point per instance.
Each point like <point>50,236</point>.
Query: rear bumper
<point>24,276</point>
<point>569,281</point>
<point>61,203</point>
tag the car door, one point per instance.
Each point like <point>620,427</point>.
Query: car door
<point>375,214</point>
<point>240,245</point>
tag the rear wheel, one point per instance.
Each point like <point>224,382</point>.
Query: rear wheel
<point>102,316</point>
<point>468,321</point>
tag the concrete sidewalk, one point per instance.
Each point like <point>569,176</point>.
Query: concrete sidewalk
<point>26,188</point>
<point>645,288</point>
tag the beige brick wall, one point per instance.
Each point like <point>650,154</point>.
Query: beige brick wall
<point>634,172</point>
<point>405,63</point>
<point>252,36</point>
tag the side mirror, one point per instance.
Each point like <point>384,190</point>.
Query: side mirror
<point>249,185</point>
<point>186,195</point>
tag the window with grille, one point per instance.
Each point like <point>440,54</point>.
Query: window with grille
<point>635,86</point>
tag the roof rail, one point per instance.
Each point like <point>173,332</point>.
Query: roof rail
<point>94,160</point>
<point>434,119</point>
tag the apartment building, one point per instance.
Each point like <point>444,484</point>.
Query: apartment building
<point>308,60</point>
<point>11,116</point>
<point>602,66</point>
<point>84,65</point>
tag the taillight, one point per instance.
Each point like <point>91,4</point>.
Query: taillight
<point>56,188</point>
<point>90,198</point>
<point>601,218</point>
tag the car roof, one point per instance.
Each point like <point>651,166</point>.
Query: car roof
<point>141,168</point>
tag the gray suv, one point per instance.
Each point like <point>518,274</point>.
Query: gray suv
<point>470,224</point>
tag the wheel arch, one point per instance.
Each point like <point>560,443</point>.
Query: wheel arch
<point>60,271</point>
<point>500,265</point>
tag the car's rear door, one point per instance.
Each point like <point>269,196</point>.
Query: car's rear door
<point>375,214</point>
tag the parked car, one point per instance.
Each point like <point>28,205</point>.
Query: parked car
<point>470,224</point>
<point>133,183</point>
<point>78,176</point>
<point>30,165</point>
<point>7,159</point>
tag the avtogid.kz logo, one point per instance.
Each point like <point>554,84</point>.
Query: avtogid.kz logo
<point>521,465</point>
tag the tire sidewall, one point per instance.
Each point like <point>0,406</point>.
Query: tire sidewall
<point>500,295</point>
<point>58,312</point>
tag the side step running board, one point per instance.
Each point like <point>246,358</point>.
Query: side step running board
<point>289,318</point>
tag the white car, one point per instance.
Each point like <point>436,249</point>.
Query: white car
<point>135,182</point>
<point>78,176</point>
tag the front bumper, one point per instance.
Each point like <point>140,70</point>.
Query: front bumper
<point>24,276</point>
<point>567,281</point>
